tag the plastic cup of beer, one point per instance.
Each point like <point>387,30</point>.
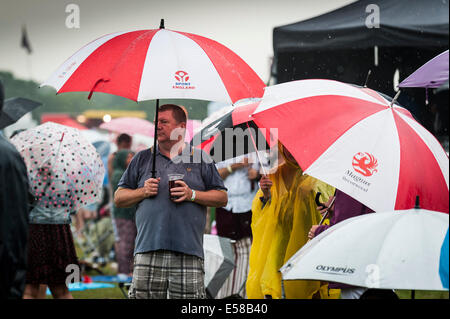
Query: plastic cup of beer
<point>172,179</point>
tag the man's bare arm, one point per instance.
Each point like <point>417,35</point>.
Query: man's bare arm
<point>211,198</point>
<point>126,197</point>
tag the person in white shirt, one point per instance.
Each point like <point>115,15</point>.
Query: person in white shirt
<point>240,177</point>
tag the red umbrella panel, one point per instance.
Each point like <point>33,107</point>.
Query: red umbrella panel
<point>130,126</point>
<point>359,142</point>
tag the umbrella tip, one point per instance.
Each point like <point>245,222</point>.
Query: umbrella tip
<point>367,78</point>
<point>161,24</point>
<point>417,203</point>
<point>395,98</point>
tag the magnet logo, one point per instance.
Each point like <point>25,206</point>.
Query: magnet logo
<point>365,164</point>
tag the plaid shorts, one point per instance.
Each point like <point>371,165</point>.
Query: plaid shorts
<point>164,274</point>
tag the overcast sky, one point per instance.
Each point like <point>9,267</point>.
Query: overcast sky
<point>244,26</point>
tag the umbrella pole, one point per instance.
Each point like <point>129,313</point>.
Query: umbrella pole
<point>257,153</point>
<point>325,215</point>
<point>283,292</point>
<point>367,78</point>
<point>155,140</point>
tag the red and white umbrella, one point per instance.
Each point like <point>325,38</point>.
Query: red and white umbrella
<point>130,126</point>
<point>353,139</point>
<point>158,64</point>
<point>191,127</point>
<point>135,125</point>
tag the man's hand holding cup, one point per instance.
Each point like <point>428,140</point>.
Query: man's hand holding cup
<point>181,192</point>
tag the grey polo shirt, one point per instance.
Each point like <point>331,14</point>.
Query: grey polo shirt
<point>161,223</point>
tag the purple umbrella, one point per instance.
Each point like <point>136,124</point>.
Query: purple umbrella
<point>432,74</point>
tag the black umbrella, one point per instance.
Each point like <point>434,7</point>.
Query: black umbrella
<point>14,108</point>
<point>233,134</point>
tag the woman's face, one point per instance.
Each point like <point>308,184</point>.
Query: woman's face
<point>289,156</point>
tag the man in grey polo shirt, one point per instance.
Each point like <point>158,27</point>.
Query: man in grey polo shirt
<point>168,252</point>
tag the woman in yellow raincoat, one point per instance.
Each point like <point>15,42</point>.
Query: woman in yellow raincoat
<point>282,215</point>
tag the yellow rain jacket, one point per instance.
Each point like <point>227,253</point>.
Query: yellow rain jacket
<point>280,229</point>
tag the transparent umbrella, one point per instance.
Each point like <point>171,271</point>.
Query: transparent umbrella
<point>64,169</point>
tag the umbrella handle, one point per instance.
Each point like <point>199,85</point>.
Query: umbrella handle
<point>318,203</point>
<point>95,85</point>
<point>327,212</point>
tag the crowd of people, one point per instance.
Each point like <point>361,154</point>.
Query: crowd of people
<point>159,223</point>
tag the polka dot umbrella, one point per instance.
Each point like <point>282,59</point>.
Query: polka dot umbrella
<point>64,169</point>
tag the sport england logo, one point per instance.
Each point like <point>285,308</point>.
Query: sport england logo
<point>365,164</point>
<point>182,78</point>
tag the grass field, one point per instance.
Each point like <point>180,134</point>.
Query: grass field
<point>116,293</point>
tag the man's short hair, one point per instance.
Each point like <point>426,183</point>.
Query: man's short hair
<point>179,112</point>
<point>123,138</point>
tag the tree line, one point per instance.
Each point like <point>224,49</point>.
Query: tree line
<point>74,103</point>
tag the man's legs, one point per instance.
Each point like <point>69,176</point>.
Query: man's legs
<point>167,274</point>
<point>187,277</point>
<point>150,276</point>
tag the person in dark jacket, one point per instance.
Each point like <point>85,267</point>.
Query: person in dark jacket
<point>13,219</point>
<point>344,207</point>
